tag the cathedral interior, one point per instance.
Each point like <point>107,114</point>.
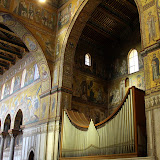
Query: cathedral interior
<point>79,79</point>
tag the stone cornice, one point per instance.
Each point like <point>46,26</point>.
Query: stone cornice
<point>151,48</point>
<point>14,132</point>
<point>152,101</point>
<point>3,134</point>
<point>44,94</point>
<point>61,89</point>
<point>55,90</point>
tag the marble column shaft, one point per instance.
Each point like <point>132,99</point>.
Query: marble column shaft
<point>2,146</point>
<point>11,153</point>
<point>13,133</point>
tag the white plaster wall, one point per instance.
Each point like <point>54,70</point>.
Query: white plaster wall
<point>50,141</point>
<point>40,139</point>
<point>35,139</point>
<point>6,154</point>
<point>157,131</point>
<point>17,153</point>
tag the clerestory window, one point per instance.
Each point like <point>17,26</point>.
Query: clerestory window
<point>87,59</point>
<point>133,65</point>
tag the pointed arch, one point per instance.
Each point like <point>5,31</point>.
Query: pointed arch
<point>18,121</point>
<point>31,156</point>
<point>7,123</point>
<point>30,42</point>
<point>73,34</point>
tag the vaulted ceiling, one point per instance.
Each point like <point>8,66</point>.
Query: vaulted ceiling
<point>112,21</point>
<point>11,48</point>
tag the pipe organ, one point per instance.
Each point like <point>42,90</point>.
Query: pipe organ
<point>122,134</point>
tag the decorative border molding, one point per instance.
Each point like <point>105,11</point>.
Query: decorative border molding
<point>44,94</point>
<point>152,101</point>
<point>151,48</point>
<point>148,5</point>
<point>61,89</point>
<point>55,90</point>
<point>43,128</point>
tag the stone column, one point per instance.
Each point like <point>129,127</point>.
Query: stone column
<point>56,140</point>
<point>13,134</point>
<point>3,135</point>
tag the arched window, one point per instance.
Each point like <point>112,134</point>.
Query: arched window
<point>87,59</point>
<point>2,91</point>
<point>133,65</point>
<point>12,85</point>
<point>127,82</point>
<point>23,78</point>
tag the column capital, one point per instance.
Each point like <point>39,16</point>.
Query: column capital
<point>3,134</point>
<point>22,127</point>
<point>13,132</point>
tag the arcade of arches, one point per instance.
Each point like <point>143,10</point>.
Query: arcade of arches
<point>77,55</point>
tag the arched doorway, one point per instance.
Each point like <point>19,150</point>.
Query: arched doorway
<point>27,39</point>
<point>31,156</point>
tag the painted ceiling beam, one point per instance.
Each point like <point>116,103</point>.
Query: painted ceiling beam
<point>1,71</point>
<point>11,43</point>
<point>131,6</point>
<point>6,66</point>
<point>9,32</point>
<point>7,59</point>
<point>117,13</point>
<point>94,20</point>
<point>4,60</point>
<point>107,35</point>
<point>112,16</point>
<point>105,29</point>
<point>8,51</point>
<point>89,40</point>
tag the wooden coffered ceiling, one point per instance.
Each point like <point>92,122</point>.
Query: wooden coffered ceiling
<point>111,21</point>
<point>11,48</point>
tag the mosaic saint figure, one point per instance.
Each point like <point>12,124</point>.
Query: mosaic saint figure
<point>21,9</point>
<point>44,73</point>
<point>31,12</point>
<point>37,15</point>
<point>64,16</point>
<point>151,27</point>
<point>155,67</point>
<point>139,81</point>
<point>16,83</point>
<point>84,90</point>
